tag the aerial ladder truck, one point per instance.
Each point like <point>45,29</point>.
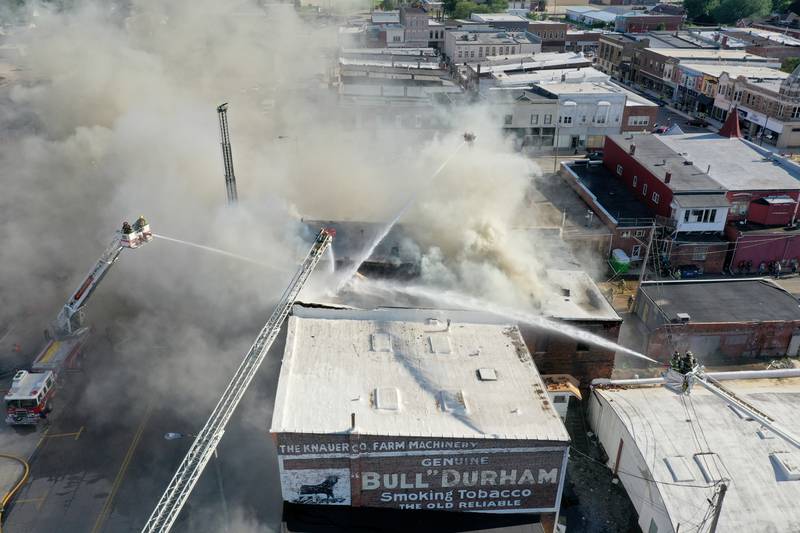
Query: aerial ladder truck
<point>205,443</point>
<point>30,397</point>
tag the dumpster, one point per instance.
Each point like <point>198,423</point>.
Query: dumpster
<point>620,262</point>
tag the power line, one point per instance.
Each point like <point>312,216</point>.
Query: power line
<point>707,486</point>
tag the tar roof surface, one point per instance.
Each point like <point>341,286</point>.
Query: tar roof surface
<point>612,195</point>
<point>734,71</point>
<point>723,301</point>
<point>657,420</point>
<point>335,359</point>
<point>652,151</point>
<point>736,164</point>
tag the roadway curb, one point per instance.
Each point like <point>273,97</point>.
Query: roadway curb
<point>11,493</point>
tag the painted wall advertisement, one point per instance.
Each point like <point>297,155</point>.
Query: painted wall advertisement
<point>421,473</point>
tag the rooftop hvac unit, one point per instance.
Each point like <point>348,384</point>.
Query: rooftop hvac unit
<point>683,318</point>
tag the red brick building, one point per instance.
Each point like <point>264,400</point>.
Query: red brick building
<point>645,23</point>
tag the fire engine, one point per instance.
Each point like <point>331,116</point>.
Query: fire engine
<point>30,397</point>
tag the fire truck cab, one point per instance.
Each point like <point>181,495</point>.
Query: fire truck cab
<point>28,399</point>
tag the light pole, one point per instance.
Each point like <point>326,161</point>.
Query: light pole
<point>225,515</point>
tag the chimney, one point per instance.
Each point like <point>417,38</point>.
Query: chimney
<point>724,41</point>
<point>632,149</point>
<point>479,70</point>
<point>667,177</point>
<point>352,421</point>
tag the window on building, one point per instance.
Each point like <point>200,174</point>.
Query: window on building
<point>699,253</point>
<point>639,233</point>
<point>638,120</point>
<point>396,38</point>
<point>494,50</point>
<point>656,197</point>
<point>644,189</point>
<point>635,181</point>
<point>472,53</point>
<point>513,49</point>
<point>619,170</point>
<point>460,54</point>
<point>548,119</point>
<point>625,234</point>
<point>566,120</point>
<point>480,51</point>
<point>508,119</point>
<point>713,216</point>
<point>796,112</point>
<point>534,119</point>
<point>737,95</point>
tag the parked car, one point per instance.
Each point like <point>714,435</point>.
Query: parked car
<point>699,122</point>
<point>660,129</point>
<point>687,272</point>
<point>595,156</point>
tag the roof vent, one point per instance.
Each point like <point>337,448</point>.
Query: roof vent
<point>683,318</point>
<point>687,163</point>
<point>668,177</point>
<point>487,374</point>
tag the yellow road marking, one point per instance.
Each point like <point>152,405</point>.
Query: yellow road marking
<point>38,501</point>
<point>75,434</point>
<point>101,518</point>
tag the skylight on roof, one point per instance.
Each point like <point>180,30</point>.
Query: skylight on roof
<point>680,468</point>
<point>788,465</point>
<point>381,342</point>
<point>487,374</point>
<point>711,466</point>
<point>387,398</point>
<point>439,343</point>
<point>452,401</point>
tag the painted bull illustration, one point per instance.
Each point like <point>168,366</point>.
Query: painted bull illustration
<point>326,487</point>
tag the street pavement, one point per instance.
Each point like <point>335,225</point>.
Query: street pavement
<point>95,471</point>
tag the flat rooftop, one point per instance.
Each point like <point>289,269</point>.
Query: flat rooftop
<point>699,53</point>
<point>736,164</point>
<point>547,60</point>
<point>568,75</point>
<point>491,37</point>
<point>587,87</point>
<point>613,196</point>
<point>497,17</point>
<point>758,498</point>
<point>734,71</point>
<point>411,372</point>
<point>653,152</point>
<point>730,300</point>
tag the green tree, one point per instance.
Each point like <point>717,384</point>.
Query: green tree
<point>700,9</point>
<point>789,64</point>
<point>780,6</point>
<point>730,11</point>
<point>450,6</point>
<point>464,9</point>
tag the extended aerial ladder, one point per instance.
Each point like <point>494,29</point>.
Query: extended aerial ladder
<point>227,155</point>
<point>70,318</point>
<point>205,443</point>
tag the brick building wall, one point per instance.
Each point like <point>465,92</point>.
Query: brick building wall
<point>723,342</point>
<point>426,473</point>
<point>638,111</point>
<point>616,156</point>
<point>753,248</point>
<point>560,354</point>
<point>711,257</point>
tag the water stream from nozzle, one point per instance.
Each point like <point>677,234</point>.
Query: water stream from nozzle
<point>348,274</point>
<point>218,251</point>
<point>465,301</point>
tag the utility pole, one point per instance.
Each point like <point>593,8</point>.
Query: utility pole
<point>721,490</point>
<point>227,155</point>
<point>555,137</point>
